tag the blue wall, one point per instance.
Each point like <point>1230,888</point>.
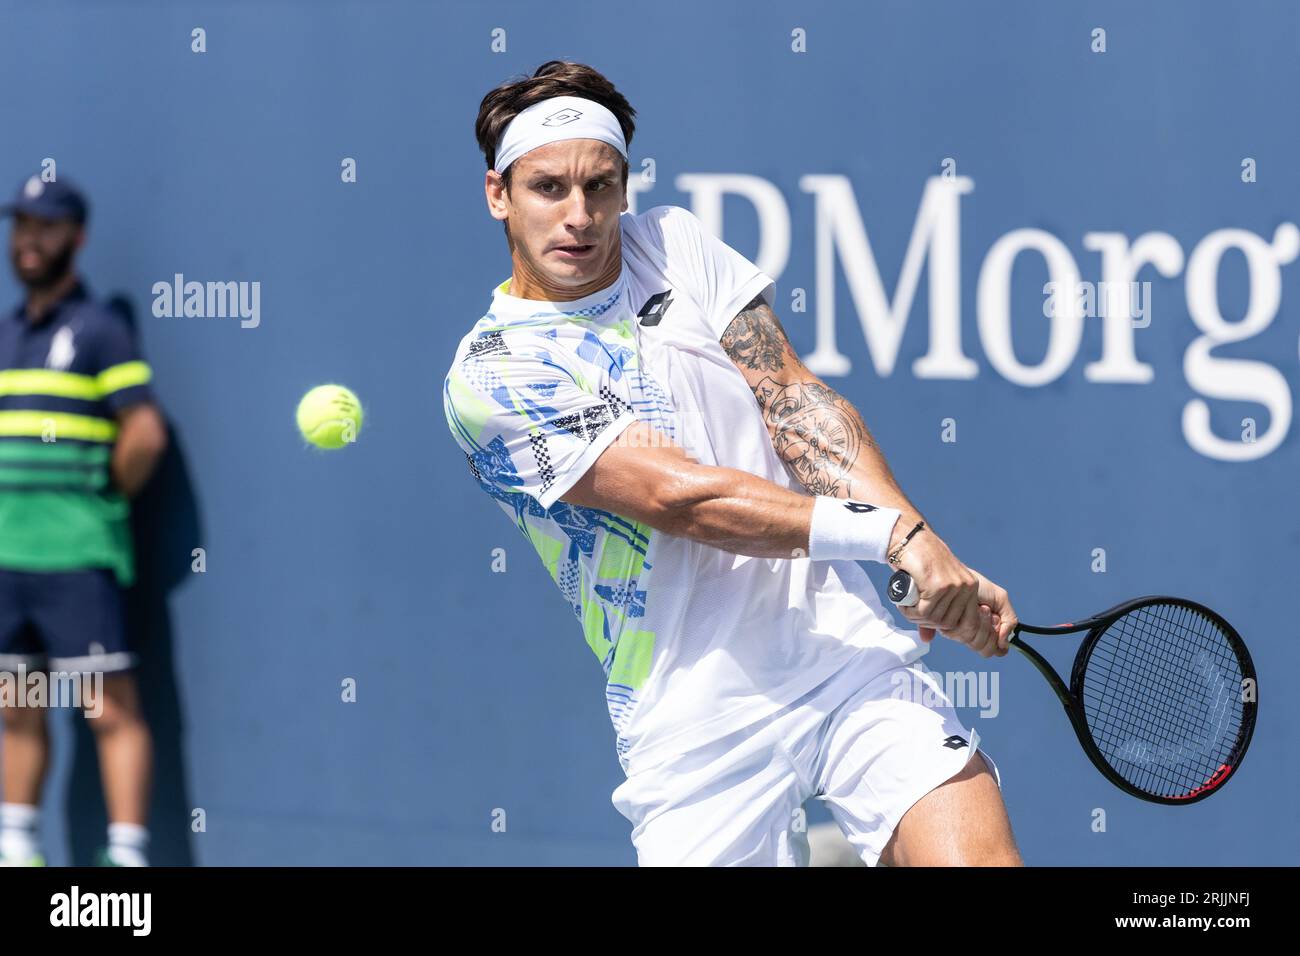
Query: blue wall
<point>476,690</point>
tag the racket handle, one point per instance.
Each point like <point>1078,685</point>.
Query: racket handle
<point>902,589</point>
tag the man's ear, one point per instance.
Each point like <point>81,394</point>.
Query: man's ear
<point>494,188</point>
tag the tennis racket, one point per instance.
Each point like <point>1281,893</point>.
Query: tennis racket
<point>1162,695</point>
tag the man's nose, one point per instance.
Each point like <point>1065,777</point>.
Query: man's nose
<point>576,212</point>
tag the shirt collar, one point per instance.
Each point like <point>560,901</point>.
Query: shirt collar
<point>77,293</point>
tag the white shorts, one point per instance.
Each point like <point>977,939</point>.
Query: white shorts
<point>869,746</point>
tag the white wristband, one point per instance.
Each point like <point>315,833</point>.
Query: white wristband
<point>843,528</point>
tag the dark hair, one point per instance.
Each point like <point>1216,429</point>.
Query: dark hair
<point>552,78</point>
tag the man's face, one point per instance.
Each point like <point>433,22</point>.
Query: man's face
<point>42,250</point>
<point>563,209</point>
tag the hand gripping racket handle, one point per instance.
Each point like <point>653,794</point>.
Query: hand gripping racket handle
<point>903,592</point>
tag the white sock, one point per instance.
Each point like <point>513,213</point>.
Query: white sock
<point>18,825</point>
<point>127,843</point>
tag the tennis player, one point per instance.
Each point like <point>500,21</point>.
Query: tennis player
<point>701,500</point>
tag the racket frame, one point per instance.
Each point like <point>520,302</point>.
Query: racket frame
<point>1071,697</point>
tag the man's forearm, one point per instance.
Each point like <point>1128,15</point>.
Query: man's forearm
<point>816,432</point>
<point>133,463</point>
<point>740,513</point>
<point>825,443</point>
<point>648,478</point>
<point>141,441</point>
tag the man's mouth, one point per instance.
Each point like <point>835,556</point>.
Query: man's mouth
<point>575,251</point>
<point>30,260</point>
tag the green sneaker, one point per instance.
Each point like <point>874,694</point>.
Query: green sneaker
<point>34,860</point>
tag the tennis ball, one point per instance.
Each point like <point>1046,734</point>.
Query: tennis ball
<point>329,416</point>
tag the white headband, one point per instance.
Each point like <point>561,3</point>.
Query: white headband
<point>560,117</point>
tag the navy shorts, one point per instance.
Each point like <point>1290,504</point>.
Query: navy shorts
<point>62,621</point>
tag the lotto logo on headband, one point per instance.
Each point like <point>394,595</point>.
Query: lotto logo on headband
<point>566,115</point>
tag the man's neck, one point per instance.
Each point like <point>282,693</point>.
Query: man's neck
<point>41,300</point>
<point>524,284</point>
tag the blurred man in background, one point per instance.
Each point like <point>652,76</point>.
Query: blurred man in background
<point>79,435</point>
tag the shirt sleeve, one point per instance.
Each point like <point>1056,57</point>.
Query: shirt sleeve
<point>525,420</point>
<point>122,372</point>
<point>723,281</point>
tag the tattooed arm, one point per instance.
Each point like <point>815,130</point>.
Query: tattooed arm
<point>820,437</point>
<point>828,448</point>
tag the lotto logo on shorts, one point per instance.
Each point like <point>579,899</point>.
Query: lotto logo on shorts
<point>954,742</point>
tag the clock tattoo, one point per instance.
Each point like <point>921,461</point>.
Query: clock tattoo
<point>812,433</point>
<point>815,431</point>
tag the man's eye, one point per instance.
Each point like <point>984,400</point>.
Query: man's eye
<point>549,187</point>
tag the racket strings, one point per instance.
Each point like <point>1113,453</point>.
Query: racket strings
<point>1162,693</point>
<point>1188,711</point>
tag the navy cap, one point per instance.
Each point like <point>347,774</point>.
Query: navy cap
<point>57,200</point>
